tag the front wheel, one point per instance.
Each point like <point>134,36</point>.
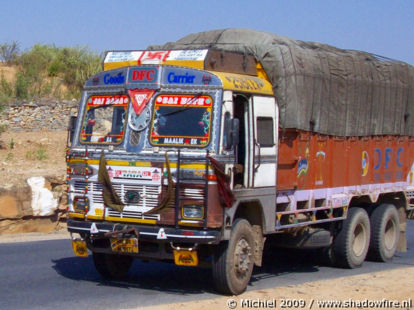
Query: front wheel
<point>233,261</point>
<point>350,246</point>
<point>112,266</point>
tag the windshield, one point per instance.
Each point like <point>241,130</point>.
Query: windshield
<point>181,120</point>
<point>104,119</point>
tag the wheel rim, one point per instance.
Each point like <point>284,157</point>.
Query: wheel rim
<point>242,258</point>
<point>359,240</point>
<point>390,235</point>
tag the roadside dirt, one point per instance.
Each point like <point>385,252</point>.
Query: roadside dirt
<point>31,154</point>
<point>8,72</point>
<point>27,154</point>
<point>380,287</point>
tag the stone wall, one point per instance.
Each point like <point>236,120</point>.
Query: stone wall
<point>41,114</point>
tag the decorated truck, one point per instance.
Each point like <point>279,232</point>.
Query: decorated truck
<point>197,151</point>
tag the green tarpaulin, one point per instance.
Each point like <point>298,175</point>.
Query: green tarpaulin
<point>321,88</point>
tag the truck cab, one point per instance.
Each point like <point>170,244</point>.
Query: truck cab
<point>164,144</point>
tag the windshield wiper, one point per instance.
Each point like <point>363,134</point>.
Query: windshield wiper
<point>186,108</point>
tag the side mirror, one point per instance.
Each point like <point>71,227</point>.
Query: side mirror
<point>231,132</point>
<point>71,128</point>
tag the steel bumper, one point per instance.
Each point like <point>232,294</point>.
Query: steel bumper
<point>150,233</point>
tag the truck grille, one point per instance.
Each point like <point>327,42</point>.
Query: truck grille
<point>149,193</point>
<point>149,198</point>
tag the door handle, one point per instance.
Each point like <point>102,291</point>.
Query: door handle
<point>257,144</point>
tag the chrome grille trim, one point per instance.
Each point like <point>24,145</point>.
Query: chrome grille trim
<point>149,193</point>
<point>132,214</point>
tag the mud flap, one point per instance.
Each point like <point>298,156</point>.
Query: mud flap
<point>402,243</point>
<point>259,241</point>
<point>79,248</point>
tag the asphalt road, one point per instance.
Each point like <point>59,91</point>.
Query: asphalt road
<point>46,275</point>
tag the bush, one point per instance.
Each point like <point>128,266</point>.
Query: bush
<point>45,67</point>
<point>5,87</point>
<point>22,86</point>
<point>38,154</point>
<point>32,74</point>
<point>77,65</point>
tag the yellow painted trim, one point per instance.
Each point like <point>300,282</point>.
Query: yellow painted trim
<point>128,220</point>
<point>112,162</point>
<point>76,215</point>
<point>261,73</point>
<point>192,223</point>
<point>244,83</point>
<point>76,161</point>
<point>186,63</point>
<point>136,163</point>
<point>94,217</point>
<point>119,64</point>
<point>127,163</point>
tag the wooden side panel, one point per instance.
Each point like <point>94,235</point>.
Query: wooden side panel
<point>312,161</point>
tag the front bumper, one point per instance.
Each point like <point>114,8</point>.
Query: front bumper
<point>147,233</point>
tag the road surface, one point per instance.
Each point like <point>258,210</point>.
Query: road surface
<point>46,275</point>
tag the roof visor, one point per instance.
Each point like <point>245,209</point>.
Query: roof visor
<point>117,59</point>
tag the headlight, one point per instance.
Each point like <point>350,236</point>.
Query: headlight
<point>81,204</point>
<point>193,212</point>
<point>80,170</point>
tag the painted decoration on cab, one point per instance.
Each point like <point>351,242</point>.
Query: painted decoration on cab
<point>365,163</point>
<point>302,167</point>
<point>181,120</point>
<point>320,159</point>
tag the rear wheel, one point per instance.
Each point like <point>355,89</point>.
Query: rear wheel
<point>112,266</point>
<point>385,232</point>
<point>233,261</point>
<point>350,246</point>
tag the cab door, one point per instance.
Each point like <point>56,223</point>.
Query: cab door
<point>264,118</point>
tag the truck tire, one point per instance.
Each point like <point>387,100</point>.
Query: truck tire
<point>112,266</point>
<point>385,232</point>
<point>234,260</point>
<point>350,246</point>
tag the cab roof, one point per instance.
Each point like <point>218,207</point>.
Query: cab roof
<point>237,71</point>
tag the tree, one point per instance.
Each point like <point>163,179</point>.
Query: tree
<point>9,52</point>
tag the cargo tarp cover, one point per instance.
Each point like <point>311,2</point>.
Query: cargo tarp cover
<point>321,88</point>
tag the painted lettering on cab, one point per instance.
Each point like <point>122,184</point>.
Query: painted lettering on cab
<point>245,83</point>
<point>400,150</point>
<point>180,79</point>
<point>117,79</point>
<point>378,156</point>
<point>388,158</point>
<point>143,75</point>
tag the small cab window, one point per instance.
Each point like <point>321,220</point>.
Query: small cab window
<point>265,131</point>
<point>104,119</point>
<point>181,120</point>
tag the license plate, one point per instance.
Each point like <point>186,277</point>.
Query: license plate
<point>185,258</point>
<point>124,245</point>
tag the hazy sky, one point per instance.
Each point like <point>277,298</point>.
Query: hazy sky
<point>384,27</point>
